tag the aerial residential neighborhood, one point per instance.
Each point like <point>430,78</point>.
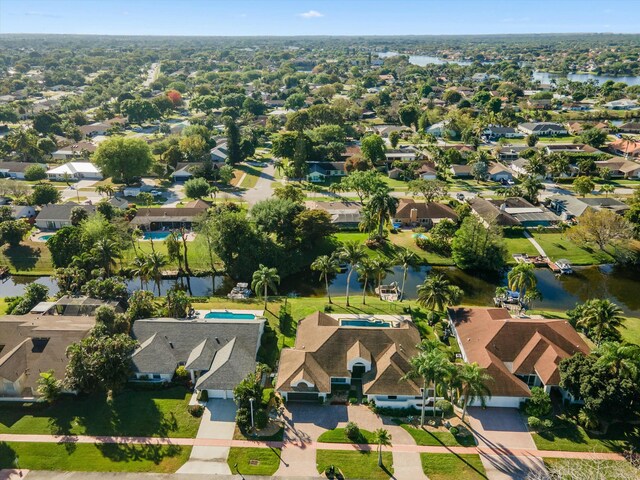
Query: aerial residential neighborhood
<point>283,240</point>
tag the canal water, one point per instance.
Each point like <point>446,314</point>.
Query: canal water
<point>620,285</point>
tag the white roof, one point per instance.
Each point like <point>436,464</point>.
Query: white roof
<point>74,167</point>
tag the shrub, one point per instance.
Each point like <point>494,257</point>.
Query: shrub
<point>328,308</point>
<point>445,407</point>
<point>454,431</point>
<point>539,404</point>
<point>196,410</point>
<point>352,431</point>
<point>260,418</point>
<point>243,418</point>
<point>588,419</point>
<point>534,423</point>
<point>181,373</point>
<point>547,424</point>
<point>203,396</point>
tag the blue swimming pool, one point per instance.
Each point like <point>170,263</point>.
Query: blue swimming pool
<point>44,238</point>
<point>156,235</point>
<point>230,316</point>
<point>364,323</point>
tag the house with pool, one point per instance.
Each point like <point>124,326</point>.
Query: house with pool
<point>518,353</point>
<point>168,218</point>
<point>217,348</point>
<point>334,353</point>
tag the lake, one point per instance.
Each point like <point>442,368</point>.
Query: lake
<point>619,285</point>
<point>546,77</point>
<point>423,60</point>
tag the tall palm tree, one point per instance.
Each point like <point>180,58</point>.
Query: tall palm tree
<point>327,266</point>
<point>607,189</point>
<point>155,263</point>
<point>106,252</point>
<point>352,253</point>
<point>382,268</point>
<point>368,222</point>
<point>531,186</point>
<point>522,278</point>
<point>620,358</point>
<point>431,366</point>
<point>213,191</point>
<point>405,258</point>
<point>265,278</point>
<point>453,381</point>
<point>474,381</point>
<point>383,438</point>
<point>140,270</point>
<point>436,293</point>
<point>601,317</point>
<point>366,270</point>
<point>382,206</point>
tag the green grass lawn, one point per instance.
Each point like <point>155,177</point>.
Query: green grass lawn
<point>251,177</point>
<point>568,436</point>
<point>28,258</point>
<point>448,466</point>
<point>519,245</point>
<point>3,306</point>
<point>361,465</point>
<point>254,461</point>
<point>632,331</point>
<point>428,436</point>
<point>94,458</point>
<point>558,245</point>
<point>337,435</point>
<point>133,413</point>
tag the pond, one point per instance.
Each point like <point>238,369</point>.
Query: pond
<point>546,77</point>
<point>620,285</point>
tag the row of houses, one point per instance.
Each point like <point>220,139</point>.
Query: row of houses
<point>331,352</point>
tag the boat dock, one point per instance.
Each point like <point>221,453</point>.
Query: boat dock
<point>559,267</point>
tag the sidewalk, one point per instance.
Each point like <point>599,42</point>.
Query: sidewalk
<point>533,241</point>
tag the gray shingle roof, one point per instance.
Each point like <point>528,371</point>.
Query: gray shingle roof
<point>226,350</point>
<point>62,212</point>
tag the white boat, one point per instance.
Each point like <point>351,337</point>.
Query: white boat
<point>388,293</point>
<point>240,292</point>
<point>564,266</point>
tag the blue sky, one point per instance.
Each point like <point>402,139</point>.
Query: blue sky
<point>319,17</point>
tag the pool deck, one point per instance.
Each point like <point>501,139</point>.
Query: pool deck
<point>258,313</point>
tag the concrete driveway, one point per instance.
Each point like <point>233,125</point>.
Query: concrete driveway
<point>503,429</point>
<point>218,421</point>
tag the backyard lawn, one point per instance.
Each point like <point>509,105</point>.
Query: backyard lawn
<point>431,437</point>
<point>568,436</point>
<point>449,466</point>
<point>160,413</point>
<point>337,435</point>
<point>557,246</point>
<point>93,457</point>
<point>254,461</point>
<point>251,177</point>
<point>28,258</point>
<point>356,464</point>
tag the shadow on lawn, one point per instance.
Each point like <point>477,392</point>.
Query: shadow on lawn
<point>23,257</point>
<point>8,456</point>
<point>131,453</point>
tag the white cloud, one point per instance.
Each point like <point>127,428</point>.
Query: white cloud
<point>311,14</point>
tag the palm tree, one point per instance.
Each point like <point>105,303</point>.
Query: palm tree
<point>602,318</point>
<point>531,186</point>
<point>265,278</point>
<point>368,222</point>
<point>366,270</point>
<point>327,266</point>
<point>382,268</point>
<point>607,189</point>
<point>106,251</point>
<point>436,293</point>
<point>521,278</point>
<point>453,381</point>
<point>619,358</point>
<point>140,270</point>
<point>352,253</point>
<point>474,381</point>
<point>382,438</point>
<point>155,263</point>
<point>431,366</point>
<point>382,206</point>
<point>405,258</point>
<point>213,191</point>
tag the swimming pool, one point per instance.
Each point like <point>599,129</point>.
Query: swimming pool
<point>230,316</point>
<point>419,235</point>
<point>364,323</point>
<point>156,235</point>
<point>44,238</point>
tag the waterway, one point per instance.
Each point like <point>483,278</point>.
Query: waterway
<point>619,285</point>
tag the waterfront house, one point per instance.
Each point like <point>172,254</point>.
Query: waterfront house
<point>54,217</point>
<point>412,213</point>
<point>345,215</point>
<point>167,218</point>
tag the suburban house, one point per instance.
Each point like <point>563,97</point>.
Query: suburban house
<point>540,103</point>
<point>184,171</point>
<point>527,214</point>
<point>331,354</point>
<point>74,150</point>
<point>495,132</point>
<point>439,129</point>
<point>519,167</point>
<point>219,153</point>
<point>218,354</point>
<point>461,171</point>
<point>621,168</point>
<point>491,214</point>
<point>622,104</point>
<point>406,154</point>
<point>570,207</point>
<point>570,148</point>
<point>75,305</point>
<point>167,218</point>
<point>16,169</point>
<point>385,130</point>
<point>321,171</point>
<point>75,171</point>
<point>54,217</point>
<point>625,148</point>
<point>630,127</point>
<point>512,152</point>
<point>343,214</point>
<point>543,129</point>
<point>23,211</point>
<point>499,173</point>
<point>427,172</point>
<point>94,129</point>
<point>517,353</point>
<point>412,213</point>
<point>32,344</point>
<point>575,128</point>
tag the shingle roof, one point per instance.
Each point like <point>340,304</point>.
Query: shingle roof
<point>507,346</point>
<point>490,213</point>
<point>425,210</point>
<point>225,349</point>
<point>62,212</point>
<point>18,166</point>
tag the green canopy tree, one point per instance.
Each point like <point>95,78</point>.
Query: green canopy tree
<point>123,158</point>
<point>436,293</point>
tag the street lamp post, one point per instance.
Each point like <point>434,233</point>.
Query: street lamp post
<point>251,400</point>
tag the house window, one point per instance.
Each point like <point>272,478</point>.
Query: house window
<point>392,397</point>
<point>156,376</point>
<point>338,380</point>
<point>530,380</point>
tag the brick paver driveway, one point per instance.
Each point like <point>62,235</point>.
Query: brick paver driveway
<point>503,428</point>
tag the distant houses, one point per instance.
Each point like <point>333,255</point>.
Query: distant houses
<point>542,129</point>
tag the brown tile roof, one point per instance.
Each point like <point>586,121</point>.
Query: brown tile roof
<point>506,346</point>
<point>323,349</point>
<point>425,210</point>
<point>491,213</point>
